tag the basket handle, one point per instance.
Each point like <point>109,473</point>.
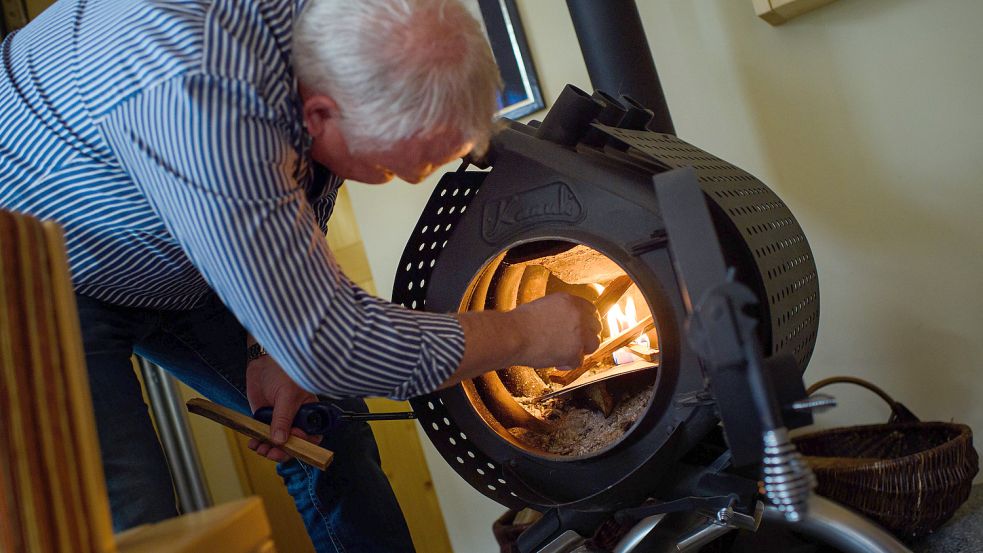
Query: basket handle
<point>899,413</point>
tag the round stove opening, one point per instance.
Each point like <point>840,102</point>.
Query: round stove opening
<point>568,413</point>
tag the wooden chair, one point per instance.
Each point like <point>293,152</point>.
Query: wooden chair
<point>52,488</point>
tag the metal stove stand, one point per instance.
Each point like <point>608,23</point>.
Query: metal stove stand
<point>826,522</point>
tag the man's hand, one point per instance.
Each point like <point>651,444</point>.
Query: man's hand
<point>266,385</point>
<point>560,330</point>
<point>555,331</point>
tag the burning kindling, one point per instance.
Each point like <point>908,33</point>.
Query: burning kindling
<point>586,409</point>
<point>592,405</point>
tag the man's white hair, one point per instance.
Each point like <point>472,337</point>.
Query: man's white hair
<point>398,68</point>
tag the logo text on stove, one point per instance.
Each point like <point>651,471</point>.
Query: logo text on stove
<point>550,203</point>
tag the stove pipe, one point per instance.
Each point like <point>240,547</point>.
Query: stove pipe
<point>619,60</point>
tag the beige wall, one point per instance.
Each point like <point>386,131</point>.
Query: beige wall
<point>866,118</point>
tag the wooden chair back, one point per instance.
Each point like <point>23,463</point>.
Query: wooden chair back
<point>52,485</point>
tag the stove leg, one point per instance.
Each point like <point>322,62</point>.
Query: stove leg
<point>560,531</point>
<point>567,542</point>
<point>835,525</point>
<point>638,534</point>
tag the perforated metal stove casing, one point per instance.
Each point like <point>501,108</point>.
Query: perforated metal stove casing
<point>538,190</point>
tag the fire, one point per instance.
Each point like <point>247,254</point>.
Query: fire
<point>621,320</point>
<point>618,320</point>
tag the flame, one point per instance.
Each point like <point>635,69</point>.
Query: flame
<point>618,320</point>
<point>621,320</point>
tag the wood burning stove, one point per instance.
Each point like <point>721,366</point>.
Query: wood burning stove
<point>555,213</point>
<point>689,437</point>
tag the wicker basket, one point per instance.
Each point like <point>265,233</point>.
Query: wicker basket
<point>909,476</point>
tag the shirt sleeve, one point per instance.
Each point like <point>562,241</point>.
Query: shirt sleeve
<point>216,163</point>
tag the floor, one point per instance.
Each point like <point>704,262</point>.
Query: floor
<point>962,534</point>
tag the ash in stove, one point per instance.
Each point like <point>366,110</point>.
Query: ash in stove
<point>566,412</point>
<point>577,426</point>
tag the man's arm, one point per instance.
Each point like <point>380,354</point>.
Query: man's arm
<point>557,330</point>
<point>215,163</point>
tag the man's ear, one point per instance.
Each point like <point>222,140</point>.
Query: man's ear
<point>321,115</point>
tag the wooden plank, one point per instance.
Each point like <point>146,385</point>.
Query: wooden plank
<point>39,523</point>
<point>11,510</point>
<point>85,443</point>
<point>645,353</point>
<point>68,470</point>
<point>605,349</point>
<point>611,294</point>
<point>589,379</point>
<point>621,340</point>
<point>237,527</point>
<point>44,377</point>
<point>302,449</point>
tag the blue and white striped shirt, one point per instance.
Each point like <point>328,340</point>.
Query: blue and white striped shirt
<point>166,138</point>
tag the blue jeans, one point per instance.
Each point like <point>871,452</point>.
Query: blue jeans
<point>350,507</point>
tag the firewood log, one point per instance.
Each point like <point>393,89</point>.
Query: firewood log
<point>520,284</point>
<point>605,349</point>
<point>503,406</point>
<point>600,398</point>
<point>612,293</point>
<point>523,381</point>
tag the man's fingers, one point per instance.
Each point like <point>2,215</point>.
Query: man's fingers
<point>283,418</point>
<point>278,455</point>
<point>271,452</point>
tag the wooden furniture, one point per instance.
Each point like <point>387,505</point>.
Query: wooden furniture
<point>240,526</point>
<point>302,449</point>
<point>52,486</point>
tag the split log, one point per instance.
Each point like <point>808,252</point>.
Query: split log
<point>505,409</point>
<point>585,291</point>
<point>620,341</point>
<point>297,447</point>
<point>612,293</point>
<point>600,398</point>
<point>532,284</point>
<point>519,284</point>
<point>523,381</point>
<point>497,397</point>
<point>606,348</point>
<point>645,353</point>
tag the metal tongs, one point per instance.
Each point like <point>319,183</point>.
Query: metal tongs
<point>323,416</point>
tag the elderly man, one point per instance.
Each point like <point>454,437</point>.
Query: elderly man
<point>192,151</point>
